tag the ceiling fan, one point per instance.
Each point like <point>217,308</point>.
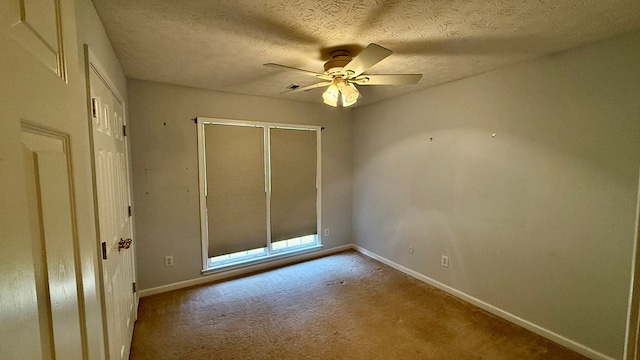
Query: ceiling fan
<point>343,72</point>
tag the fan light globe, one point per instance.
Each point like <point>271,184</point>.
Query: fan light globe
<point>330,96</point>
<point>350,94</point>
<point>333,103</point>
<point>346,103</point>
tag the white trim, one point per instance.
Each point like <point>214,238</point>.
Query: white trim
<point>319,226</point>
<point>266,152</point>
<point>202,185</point>
<point>557,338</point>
<point>244,270</point>
<point>633,315</point>
<point>102,73</point>
<point>221,121</point>
<point>257,259</point>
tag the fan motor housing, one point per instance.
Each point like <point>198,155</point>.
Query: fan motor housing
<point>339,59</point>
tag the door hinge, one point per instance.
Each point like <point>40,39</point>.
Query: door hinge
<point>135,288</point>
<point>94,107</point>
<point>124,130</point>
<point>104,250</point>
<point>129,210</point>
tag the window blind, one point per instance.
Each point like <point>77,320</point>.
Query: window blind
<point>235,179</point>
<point>293,183</point>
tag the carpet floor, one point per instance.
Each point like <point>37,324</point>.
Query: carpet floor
<point>344,306</point>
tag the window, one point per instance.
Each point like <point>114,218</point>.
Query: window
<point>259,190</point>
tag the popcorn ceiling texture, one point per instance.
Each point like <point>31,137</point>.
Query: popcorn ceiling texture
<point>221,45</point>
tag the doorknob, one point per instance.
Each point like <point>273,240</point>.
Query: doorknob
<point>124,244</point>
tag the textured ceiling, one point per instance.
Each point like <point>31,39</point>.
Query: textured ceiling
<point>222,44</point>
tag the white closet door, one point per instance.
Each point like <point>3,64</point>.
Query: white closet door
<point>112,182</point>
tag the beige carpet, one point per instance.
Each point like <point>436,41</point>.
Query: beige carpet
<point>344,306</point>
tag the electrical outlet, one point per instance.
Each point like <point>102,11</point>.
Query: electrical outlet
<point>168,260</point>
<point>411,249</point>
<point>326,232</point>
<point>444,261</point>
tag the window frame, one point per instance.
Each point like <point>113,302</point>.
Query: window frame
<point>201,122</point>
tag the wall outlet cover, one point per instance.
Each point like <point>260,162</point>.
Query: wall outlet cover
<point>444,261</point>
<point>168,261</point>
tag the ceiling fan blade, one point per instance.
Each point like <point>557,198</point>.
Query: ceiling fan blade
<point>370,56</point>
<point>308,87</point>
<point>301,71</point>
<point>394,79</point>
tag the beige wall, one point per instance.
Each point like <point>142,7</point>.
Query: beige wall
<point>92,33</point>
<point>165,169</point>
<point>538,220</point>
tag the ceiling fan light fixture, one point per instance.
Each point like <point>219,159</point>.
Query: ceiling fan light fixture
<point>331,95</point>
<point>340,89</point>
<point>346,103</point>
<point>333,103</point>
<point>350,94</point>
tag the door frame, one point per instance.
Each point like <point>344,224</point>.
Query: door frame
<point>632,339</point>
<point>91,61</point>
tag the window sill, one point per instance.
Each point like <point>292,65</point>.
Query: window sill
<point>250,262</point>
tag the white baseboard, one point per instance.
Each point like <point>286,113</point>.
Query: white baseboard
<point>557,338</point>
<point>242,271</point>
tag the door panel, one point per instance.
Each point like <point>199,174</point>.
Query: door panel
<point>112,190</point>
<point>37,26</point>
<point>47,160</point>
